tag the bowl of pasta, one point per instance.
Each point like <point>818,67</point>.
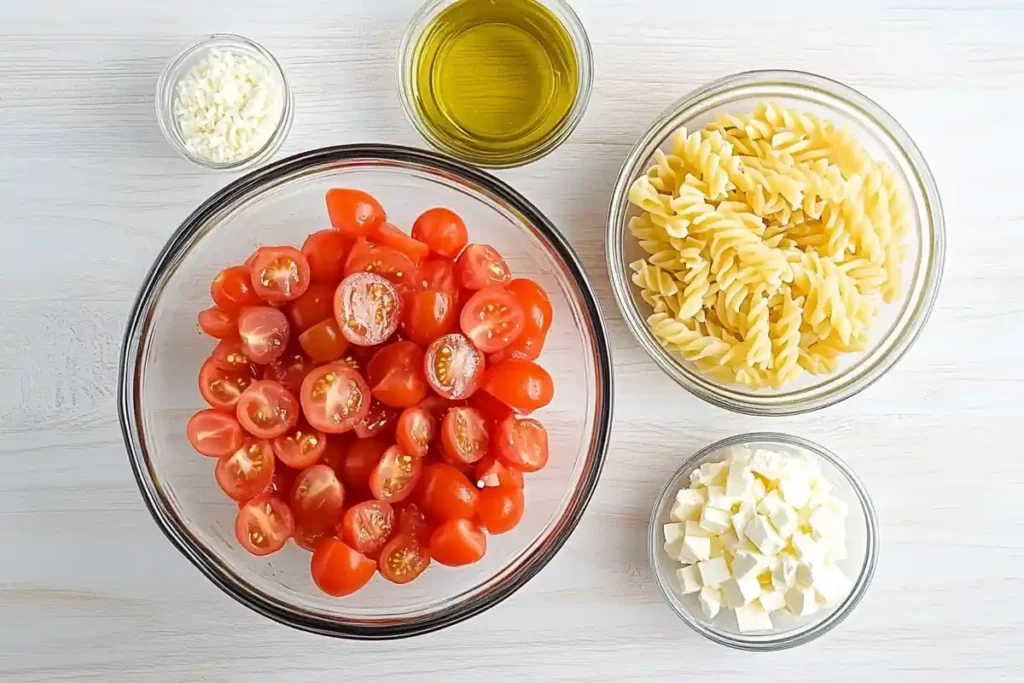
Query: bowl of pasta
<point>775,242</point>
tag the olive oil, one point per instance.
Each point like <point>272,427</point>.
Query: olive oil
<point>495,80</point>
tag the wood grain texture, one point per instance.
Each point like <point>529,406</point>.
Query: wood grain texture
<point>91,591</point>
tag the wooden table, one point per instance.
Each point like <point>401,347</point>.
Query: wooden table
<point>91,591</point>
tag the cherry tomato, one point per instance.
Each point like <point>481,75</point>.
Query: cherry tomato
<point>492,319</point>
<point>395,375</point>
<point>229,355</point>
<point>415,430</point>
<point>232,289</point>
<point>317,498</point>
<point>379,421</point>
<point>281,484</point>
<point>214,434</point>
<point>442,231</point>
<point>464,436</point>
<point>301,447</point>
<point>326,251</point>
<point>313,307</point>
<point>335,453</point>
<point>392,264</point>
<point>439,407</point>
<point>264,332</point>
<point>248,471</point>
<point>389,236</point>
<point>412,521</point>
<point>454,367</point>
<point>403,559</point>
<point>427,316</point>
<point>458,542</point>
<point>289,370</point>
<point>221,388</point>
<point>368,526</point>
<point>446,493</point>
<point>368,309</point>
<point>538,316</point>
<point>354,213</point>
<point>493,473</point>
<point>363,456</point>
<point>493,410</point>
<point>324,342</point>
<point>334,398</point>
<point>308,536</point>
<point>267,410</point>
<point>520,384</point>
<point>500,509</point>
<point>263,525</point>
<point>395,476</point>
<point>217,323</point>
<point>522,443</point>
<point>280,274</point>
<point>338,569</point>
<point>438,275</point>
<point>480,266</point>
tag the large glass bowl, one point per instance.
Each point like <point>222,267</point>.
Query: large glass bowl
<point>163,349</point>
<point>898,324</point>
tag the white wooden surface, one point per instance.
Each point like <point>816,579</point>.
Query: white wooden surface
<point>89,191</point>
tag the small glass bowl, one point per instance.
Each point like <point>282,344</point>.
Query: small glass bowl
<point>406,62</point>
<point>177,68</point>
<point>859,566</point>
<point>898,324</point>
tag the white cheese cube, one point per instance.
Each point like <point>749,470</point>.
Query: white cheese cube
<point>759,490</point>
<point>785,521</point>
<point>738,454</point>
<point>713,572</point>
<point>718,548</point>
<point>837,507</point>
<point>825,523</point>
<point>801,601</point>
<point>674,531</point>
<point>806,574</point>
<point>717,499</point>
<point>730,541</point>
<point>807,549</point>
<point>748,564</point>
<point>772,601</point>
<point>835,553</point>
<point>767,463</point>
<point>740,481</point>
<point>693,528</point>
<point>714,520</point>
<point>752,617</point>
<point>695,548</point>
<point>687,506</point>
<point>762,534</point>
<point>739,592</point>
<point>770,503</point>
<point>796,492</point>
<point>710,601</point>
<point>689,579</point>
<point>674,549</point>
<point>803,515</point>
<point>740,519</point>
<point>784,575</point>
<point>709,474</point>
<point>831,585</point>
<point>800,467</point>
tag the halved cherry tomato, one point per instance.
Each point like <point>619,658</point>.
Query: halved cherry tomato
<point>281,484</point>
<point>229,355</point>
<point>395,375</point>
<point>415,430</point>
<point>454,367</point>
<point>301,447</point>
<point>368,309</point>
<point>439,407</point>
<point>338,569</point>
<point>334,398</point>
<point>412,520</point>
<point>248,471</point>
<point>280,274</point>
<point>537,307</point>
<point>428,315</point>
<point>308,536</point>
<point>464,436</point>
<point>403,559</point>
<point>264,332</point>
<point>217,323</point>
<point>324,342</point>
<point>392,264</point>
<point>442,230</point>
<point>438,275</point>
<point>214,434</point>
<point>379,421</point>
<point>494,473</point>
<point>522,443</point>
<point>493,410</point>
<point>326,251</point>
<point>336,452</point>
<point>354,213</point>
<point>289,370</point>
<point>267,410</point>
<point>263,525</point>
<point>221,388</point>
<point>368,526</point>
<point>388,235</point>
<point>313,307</point>
<point>458,542</point>
<point>317,499</point>
<point>479,266</point>
<point>500,509</point>
<point>232,289</point>
<point>492,319</point>
<point>395,476</point>
<point>519,384</point>
<point>361,459</point>
<point>446,493</point>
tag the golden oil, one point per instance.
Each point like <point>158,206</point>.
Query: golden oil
<point>495,81</point>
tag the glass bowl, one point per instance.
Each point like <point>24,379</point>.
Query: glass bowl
<point>789,631</point>
<point>406,61</point>
<point>177,68</point>
<point>898,324</point>
<point>163,350</point>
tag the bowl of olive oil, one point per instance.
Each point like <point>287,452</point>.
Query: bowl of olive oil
<point>497,83</point>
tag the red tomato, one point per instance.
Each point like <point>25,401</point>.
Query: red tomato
<point>232,289</point>
<point>439,407</point>
<point>267,410</point>
<point>326,251</point>
<point>446,493</point>
<point>415,430</point>
<point>492,319</point>
<point>220,388</point>
<point>334,398</point>
<point>308,536</point>
<point>389,236</point>
<point>403,559</point>
<point>538,316</point>
<point>492,473</point>
<point>247,472</point>
<point>281,484</point>
<point>491,408</point>
<point>354,213</point>
<point>229,355</point>
<point>280,274</point>
<point>519,384</point>
<point>392,264</point>
<point>324,342</point>
<point>411,520</point>
<point>395,375</point>
<point>479,266</point>
<point>214,434</point>
<point>263,525</point>
<point>395,476</point>
<point>318,498</point>
<point>427,316</point>
<point>315,306</point>
<point>368,526</point>
<point>363,456</point>
<point>289,370</point>
<point>438,275</point>
<point>454,367</point>
<point>301,447</point>
<point>458,542</point>
<point>522,443</point>
<point>379,421</point>
<point>264,332</point>
<point>441,230</point>
<point>217,323</point>
<point>338,569</point>
<point>464,436</point>
<point>336,452</point>
<point>500,509</point>
<point>368,309</point>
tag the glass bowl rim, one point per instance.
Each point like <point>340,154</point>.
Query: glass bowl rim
<point>131,364</point>
<point>770,642</point>
<point>904,332</point>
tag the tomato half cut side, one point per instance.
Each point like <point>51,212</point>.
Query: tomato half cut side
<point>442,230</point>
<point>263,525</point>
<point>289,370</point>
<point>458,542</point>
<point>446,493</point>
<point>389,263</point>
<point>232,289</point>
<point>338,570</point>
<point>280,274</point>
<point>229,355</point>
<point>217,323</point>
<point>522,443</point>
<point>214,433</point>
<point>222,389</point>
<point>538,315</point>
<point>354,213</point>
<point>264,332</point>
<point>334,398</point>
<point>427,316</point>
<point>247,472</point>
<point>317,498</point>
<point>438,275</point>
<point>492,319</point>
<point>389,236</point>
<point>315,306</point>
<point>301,447</point>
<point>494,473</point>
<point>267,410</point>
<point>500,509</point>
<point>520,384</point>
<point>395,476</point>
<point>403,559</point>
<point>395,375</point>
<point>464,436</point>
<point>324,342</point>
<point>380,421</point>
<point>361,459</point>
<point>454,367</point>
<point>367,308</point>
<point>326,251</point>
<point>479,266</point>
<point>415,430</point>
<point>368,526</point>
